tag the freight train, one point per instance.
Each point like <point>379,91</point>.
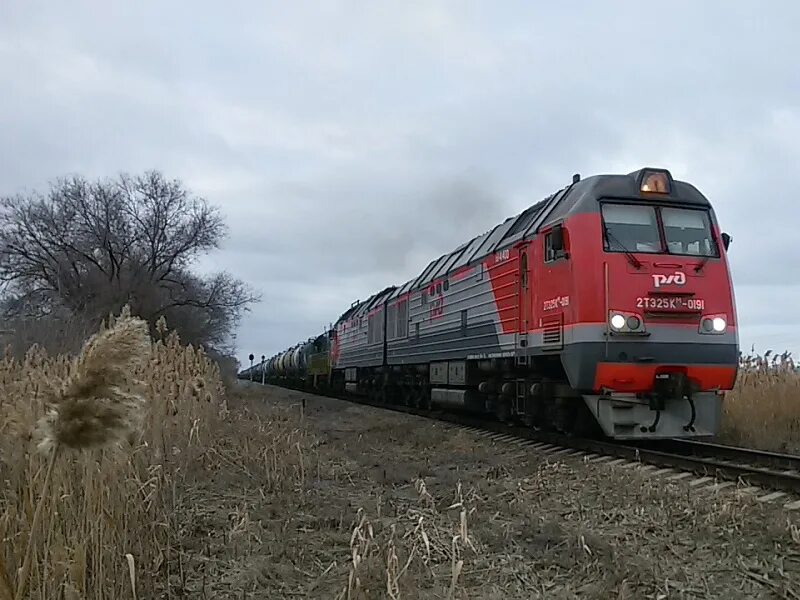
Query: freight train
<point>607,308</point>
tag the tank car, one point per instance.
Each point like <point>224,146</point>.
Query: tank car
<point>607,308</point>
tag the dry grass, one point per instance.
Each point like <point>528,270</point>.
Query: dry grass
<point>763,410</point>
<point>396,507</point>
<point>114,432</point>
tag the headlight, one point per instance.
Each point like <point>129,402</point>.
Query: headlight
<point>713,324</point>
<point>618,321</point>
<point>625,322</point>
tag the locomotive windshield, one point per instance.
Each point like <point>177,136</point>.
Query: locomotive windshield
<point>631,228</point>
<point>657,230</point>
<point>688,232</point>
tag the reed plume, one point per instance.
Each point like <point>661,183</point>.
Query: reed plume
<point>101,400</point>
<point>99,404</point>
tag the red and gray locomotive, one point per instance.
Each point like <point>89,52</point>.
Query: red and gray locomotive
<point>606,308</point>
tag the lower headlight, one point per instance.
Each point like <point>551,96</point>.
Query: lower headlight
<point>713,324</point>
<point>618,321</point>
<point>626,322</point>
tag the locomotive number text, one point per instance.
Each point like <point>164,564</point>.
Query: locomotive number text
<point>560,301</point>
<point>671,303</point>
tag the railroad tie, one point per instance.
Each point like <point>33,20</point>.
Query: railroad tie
<point>700,481</point>
<point>771,497</point>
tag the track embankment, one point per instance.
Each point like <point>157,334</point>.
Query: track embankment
<point>381,504</point>
<point>776,474</point>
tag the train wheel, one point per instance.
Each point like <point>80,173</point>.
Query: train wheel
<point>502,410</point>
<point>425,398</point>
<point>419,397</point>
<point>390,394</point>
<point>407,396</point>
<point>571,417</point>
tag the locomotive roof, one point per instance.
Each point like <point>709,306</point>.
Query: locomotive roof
<point>583,197</point>
<point>511,228</point>
<point>359,308</point>
<point>598,187</point>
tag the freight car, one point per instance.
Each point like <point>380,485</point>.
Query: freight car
<point>606,308</point>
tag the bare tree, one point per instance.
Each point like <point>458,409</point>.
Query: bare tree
<point>94,246</point>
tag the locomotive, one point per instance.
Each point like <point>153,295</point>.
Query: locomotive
<point>607,308</point>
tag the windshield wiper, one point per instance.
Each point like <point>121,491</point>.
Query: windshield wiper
<point>699,266</point>
<point>631,258</point>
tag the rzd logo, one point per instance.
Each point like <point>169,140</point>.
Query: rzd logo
<point>677,278</point>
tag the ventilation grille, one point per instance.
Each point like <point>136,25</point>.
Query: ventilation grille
<point>552,332</point>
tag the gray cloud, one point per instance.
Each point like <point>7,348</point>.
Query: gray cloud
<point>350,145</point>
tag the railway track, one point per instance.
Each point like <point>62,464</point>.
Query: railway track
<point>716,464</point>
<point>767,469</point>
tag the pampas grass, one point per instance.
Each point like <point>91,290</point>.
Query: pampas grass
<point>92,448</point>
<point>763,409</point>
<point>98,404</point>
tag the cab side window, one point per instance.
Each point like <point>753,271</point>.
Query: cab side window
<point>554,244</point>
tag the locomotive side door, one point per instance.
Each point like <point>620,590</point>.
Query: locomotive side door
<point>523,302</point>
<point>554,301</point>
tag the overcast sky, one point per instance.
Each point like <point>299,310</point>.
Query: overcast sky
<point>349,143</point>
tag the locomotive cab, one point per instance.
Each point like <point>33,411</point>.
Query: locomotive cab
<point>651,340</point>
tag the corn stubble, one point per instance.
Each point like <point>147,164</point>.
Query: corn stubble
<point>91,451</point>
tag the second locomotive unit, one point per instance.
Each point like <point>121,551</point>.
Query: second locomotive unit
<point>607,307</point>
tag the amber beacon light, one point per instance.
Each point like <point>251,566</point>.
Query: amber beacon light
<point>655,182</point>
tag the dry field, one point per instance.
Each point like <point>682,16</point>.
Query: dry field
<point>763,410</point>
<point>147,480</point>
